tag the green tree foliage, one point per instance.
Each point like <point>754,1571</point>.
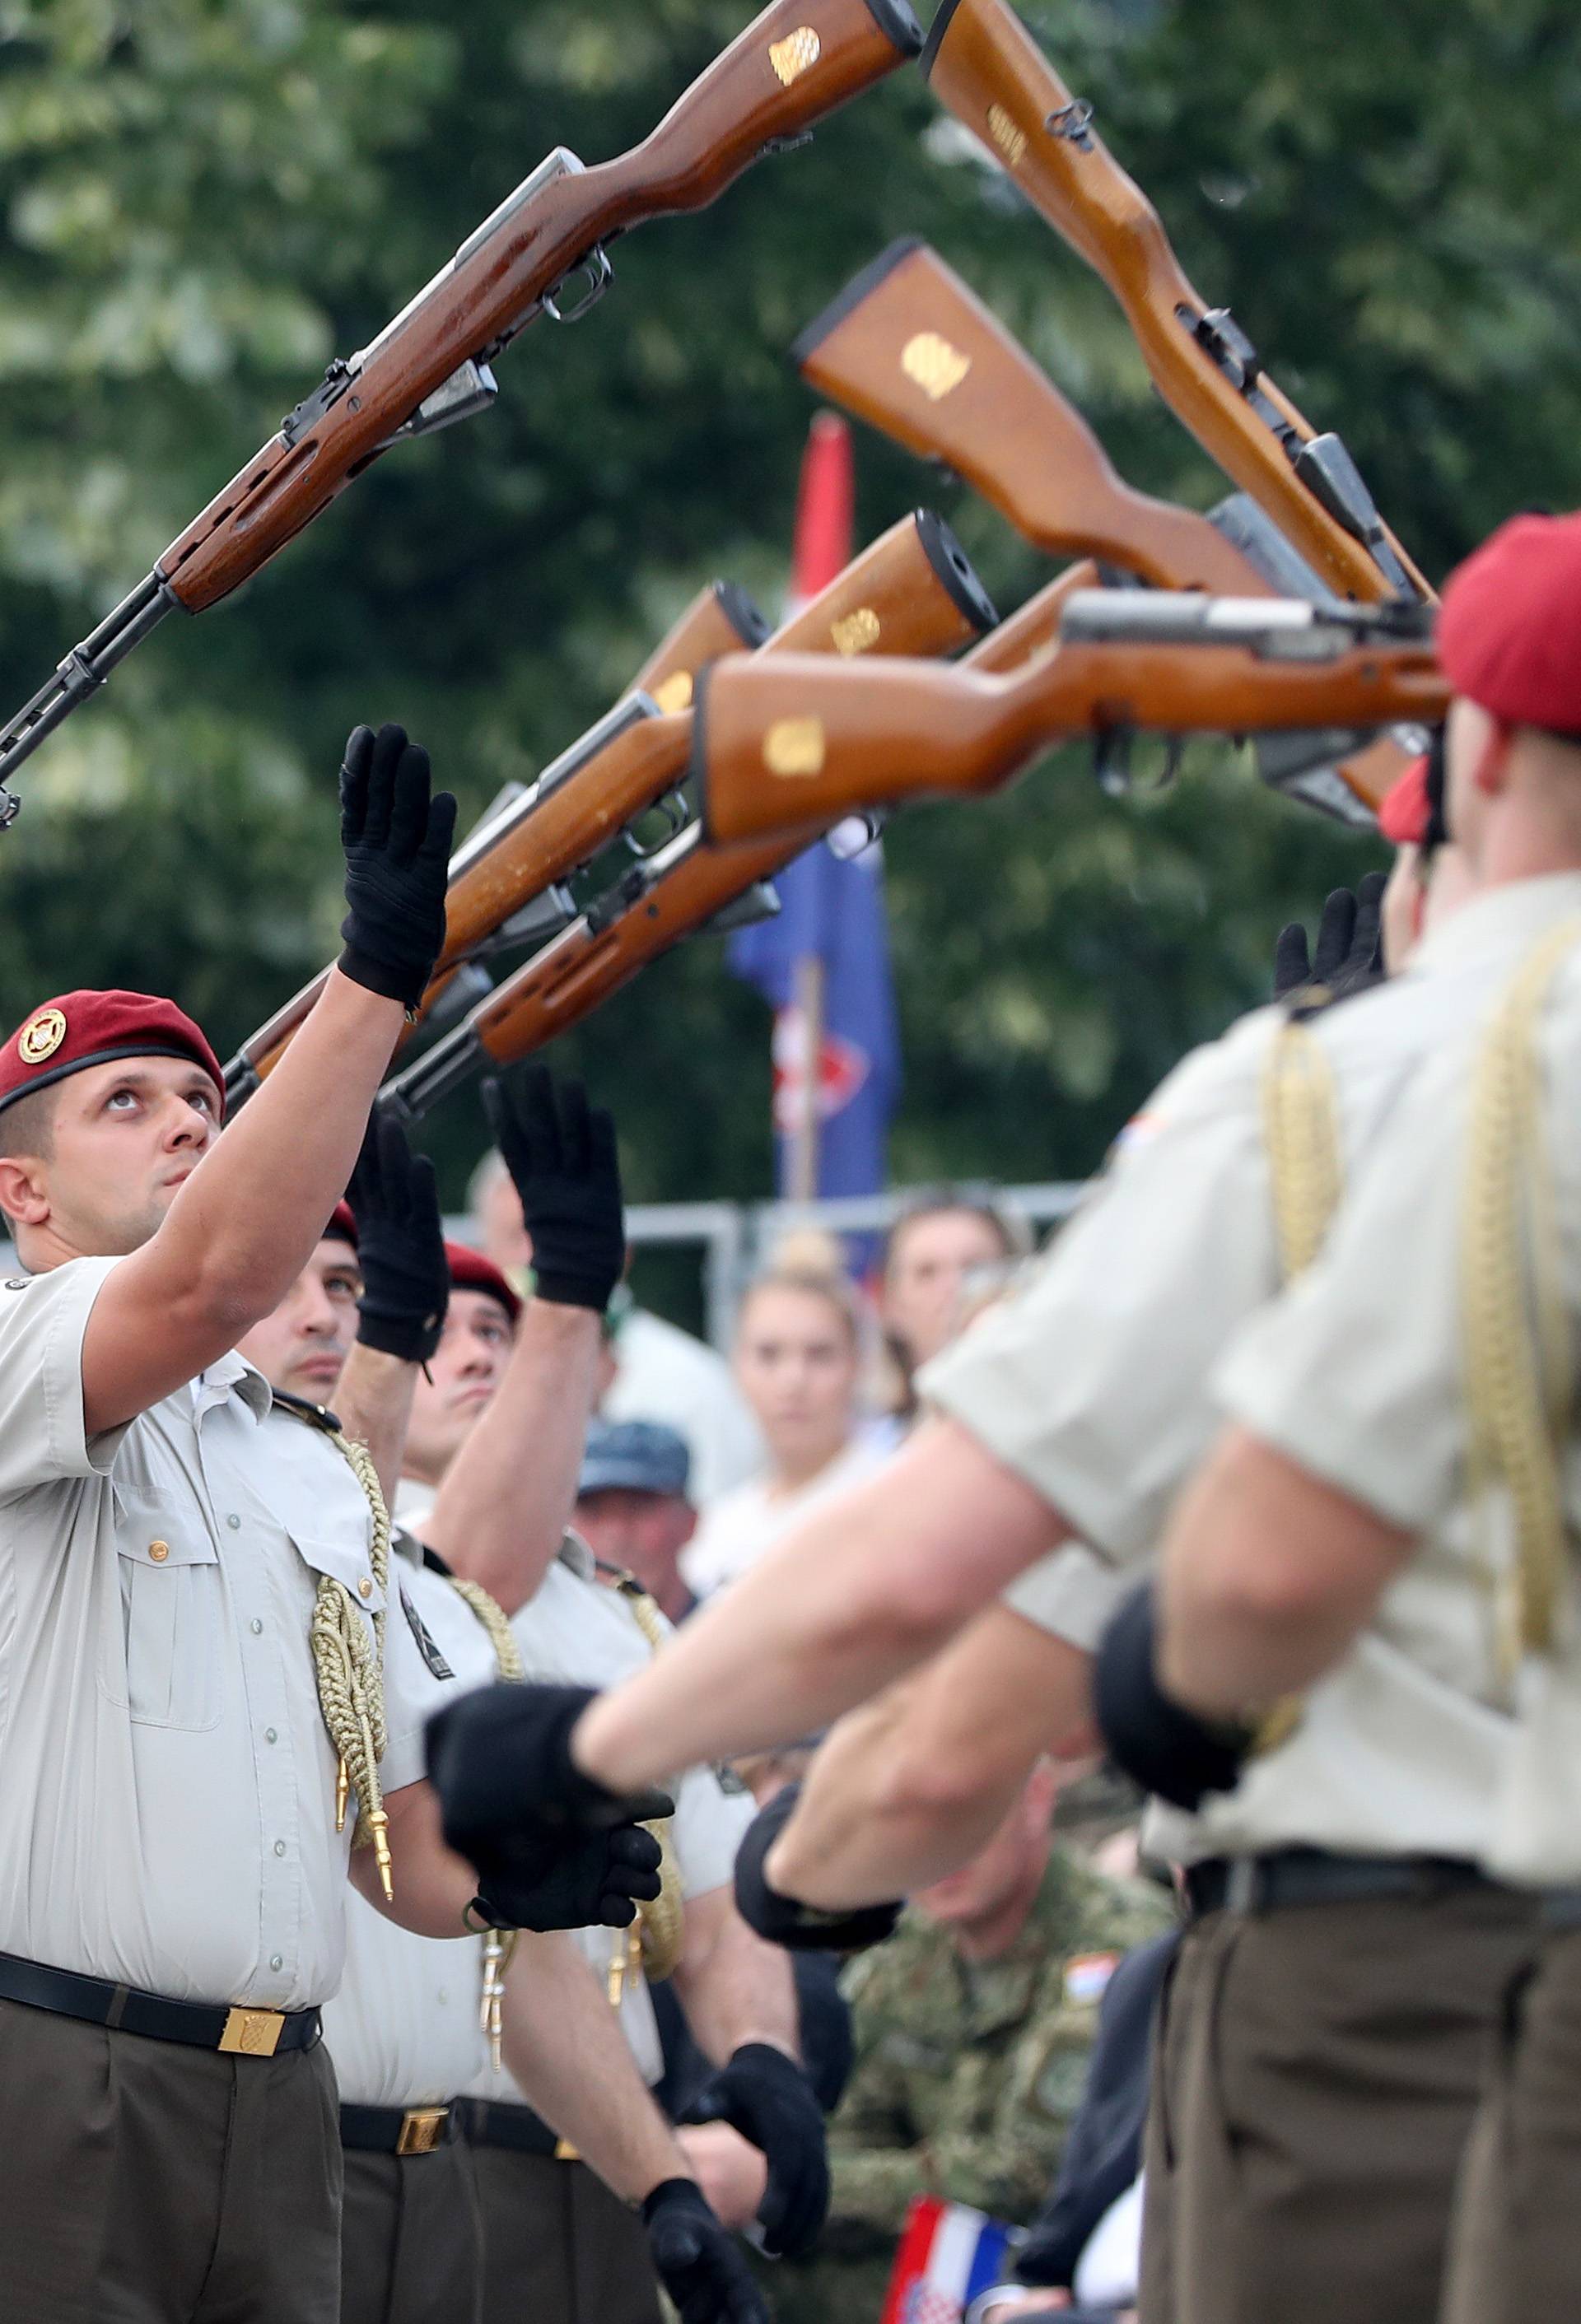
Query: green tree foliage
<point>200,200</point>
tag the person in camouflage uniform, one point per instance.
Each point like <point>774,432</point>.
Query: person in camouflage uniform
<point>972,2028</point>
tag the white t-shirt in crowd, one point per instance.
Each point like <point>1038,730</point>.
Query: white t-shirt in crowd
<point>664,1374</point>
<point>736,1531</point>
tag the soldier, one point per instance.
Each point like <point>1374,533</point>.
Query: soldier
<point>173,1904</point>
<point>1073,1413</point>
<point>1403,1439</point>
<point>972,2027</point>
<point>469,1493</point>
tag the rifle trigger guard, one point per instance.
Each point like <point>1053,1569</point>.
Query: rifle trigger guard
<point>672,808</point>
<point>599,272</point>
<point>1074,121</point>
<point>10,807</point>
<point>1112,761</point>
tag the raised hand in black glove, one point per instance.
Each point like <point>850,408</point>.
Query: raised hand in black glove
<point>698,2260</point>
<point>397,843</point>
<point>586,1880</point>
<point>1348,956</point>
<point>785,1920</point>
<point>769,2100</point>
<point>512,1802</point>
<point>1164,1747</point>
<point>400,1245</point>
<point>561,1154</point>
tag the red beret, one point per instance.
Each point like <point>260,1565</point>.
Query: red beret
<point>1510,626</point>
<point>470,1271</point>
<point>342,1225</point>
<point>96,1029</point>
<point>1404,815</point>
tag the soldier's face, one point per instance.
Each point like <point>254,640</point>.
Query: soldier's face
<point>929,1261</point>
<point>125,1140</point>
<point>302,1347</point>
<point>461,1378</point>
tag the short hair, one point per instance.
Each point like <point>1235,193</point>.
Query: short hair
<point>1015,1237</point>
<point>816,1283</point>
<point>27,1126</point>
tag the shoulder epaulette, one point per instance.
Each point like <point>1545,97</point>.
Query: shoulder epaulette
<point>316,1416</point>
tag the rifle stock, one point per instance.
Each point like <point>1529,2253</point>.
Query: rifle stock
<point>796,743</point>
<point>794,64</point>
<point>912,592</point>
<point>721,619</point>
<point>987,70</point>
<point>908,347</point>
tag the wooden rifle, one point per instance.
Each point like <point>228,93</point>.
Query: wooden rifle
<point>687,887</point>
<point>720,619</point>
<point>432,365</point>
<point>913,592</point>
<point>983,65</point>
<point>793,743</point>
<point>908,348</point>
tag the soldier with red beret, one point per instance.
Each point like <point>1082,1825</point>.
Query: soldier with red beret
<point>200,1700</point>
<point>1355,1935</point>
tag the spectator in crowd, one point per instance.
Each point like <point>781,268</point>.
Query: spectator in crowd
<point>633,1509</point>
<point>941,1241</point>
<point>797,1361</point>
<point>654,1371</point>
<point>973,2027</point>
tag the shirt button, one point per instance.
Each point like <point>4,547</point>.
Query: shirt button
<point>279,1847</point>
<point>276,1960</point>
<point>159,1551</point>
<point>365,1588</point>
<point>271,1735</point>
<point>234,1523</point>
<point>444,1994</point>
<point>256,1627</point>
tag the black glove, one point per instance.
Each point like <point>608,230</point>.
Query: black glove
<point>785,1920</point>
<point>769,2100</point>
<point>590,1880</point>
<point>1164,1747</point>
<point>1349,952</point>
<point>397,843</point>
<point>562,1158</point>
<point>400,1245</point>
<point>512,1802</point>
<point>698,2260</point>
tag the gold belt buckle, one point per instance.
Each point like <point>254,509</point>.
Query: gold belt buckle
<point>421,2128</point>
<point>253,2033</point>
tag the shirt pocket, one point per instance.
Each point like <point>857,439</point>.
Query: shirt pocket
<point>171,1672</point>
<point>345,1560</point>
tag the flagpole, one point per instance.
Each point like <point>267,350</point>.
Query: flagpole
<point>808,1003</point>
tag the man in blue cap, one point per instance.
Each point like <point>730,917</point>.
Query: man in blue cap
<point>633,1508</point>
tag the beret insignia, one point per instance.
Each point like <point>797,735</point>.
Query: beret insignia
<point>42,1037</point>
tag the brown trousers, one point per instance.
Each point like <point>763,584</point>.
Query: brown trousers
<point>1318,2071</point>
<point>1516,2252</point>
<point>412,2239</point>
<point>557,2247</point>
<point>147,2183</point>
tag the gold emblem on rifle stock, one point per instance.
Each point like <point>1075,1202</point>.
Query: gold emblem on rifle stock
<point>854,634</point>
<point>1011,141</point>
<point>675,692</point>
<point>795,746</point>
<point>936,366</point>
<point>792,56</point>
<point>42,1037</point>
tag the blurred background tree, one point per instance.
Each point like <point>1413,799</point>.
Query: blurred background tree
<point>200,200</point>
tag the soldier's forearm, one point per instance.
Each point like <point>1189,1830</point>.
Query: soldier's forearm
<point>373,1403</point>
<point>733,1987</point>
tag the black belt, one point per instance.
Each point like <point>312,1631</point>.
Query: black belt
<point>484,2122</point>
<point>1311,1876</point>
<point>395,2130</point>
<point>240,2031</point>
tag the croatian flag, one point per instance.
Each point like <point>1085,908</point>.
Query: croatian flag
<point>832,913</point>
<point>949,2253</point>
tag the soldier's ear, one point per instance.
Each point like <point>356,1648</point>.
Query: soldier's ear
<point>23,1190</point>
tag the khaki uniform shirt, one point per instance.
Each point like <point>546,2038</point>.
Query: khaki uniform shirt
<point>1094,1384</point>
<point>404,2029</point>
<point>575,1630</point>
<point>167,1807</point>
<point>1357,1374</point>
